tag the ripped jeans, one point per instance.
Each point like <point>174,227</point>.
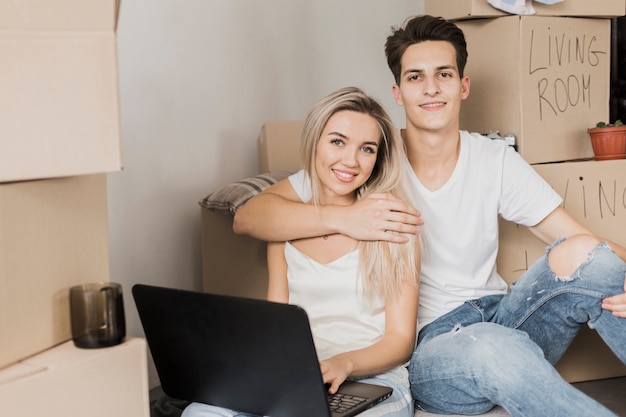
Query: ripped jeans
<point>500,349</point>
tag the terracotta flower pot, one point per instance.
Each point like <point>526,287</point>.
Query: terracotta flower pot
<point>608,142</point>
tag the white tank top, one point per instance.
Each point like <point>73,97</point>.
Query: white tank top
<point>342,318</point>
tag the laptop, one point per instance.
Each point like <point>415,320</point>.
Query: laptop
<point>248,355</point>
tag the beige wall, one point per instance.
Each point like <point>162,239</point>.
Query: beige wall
<point>197,80</point>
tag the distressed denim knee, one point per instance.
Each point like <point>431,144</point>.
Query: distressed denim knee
<point>566,256</point>
<point>552,305</point>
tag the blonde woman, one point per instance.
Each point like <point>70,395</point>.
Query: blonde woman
<point>361,297</point>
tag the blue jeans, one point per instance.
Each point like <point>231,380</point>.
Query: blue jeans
<point>500,349</point>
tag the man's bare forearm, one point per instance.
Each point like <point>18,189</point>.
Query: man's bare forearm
<point>278,214</point>
<point>274,218</point>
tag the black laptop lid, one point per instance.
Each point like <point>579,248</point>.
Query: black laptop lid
<point>248,355</point>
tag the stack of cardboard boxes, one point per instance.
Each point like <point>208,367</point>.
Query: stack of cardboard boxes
<point>59,136</point>
<point>546,78</point>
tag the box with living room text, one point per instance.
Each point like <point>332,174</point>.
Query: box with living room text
<point>54,235</point>
<point>59,107</point>
<point>471,9</point>
<point>544,79</point>
<point>594,193</point>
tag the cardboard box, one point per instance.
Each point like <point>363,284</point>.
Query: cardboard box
<point>544,79</point>
<point>72,382</point>
<point>54,235</point>
<point>470,9</point>
<point>59,107</point>
<point>223,270</point>
<point>593,193</point>
<point>273,154</point>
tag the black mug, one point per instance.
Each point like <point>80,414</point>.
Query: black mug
<point>97,315</point>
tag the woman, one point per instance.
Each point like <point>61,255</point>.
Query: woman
<point>361,296</point>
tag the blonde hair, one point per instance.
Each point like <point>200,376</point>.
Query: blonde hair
<point>383,266</point>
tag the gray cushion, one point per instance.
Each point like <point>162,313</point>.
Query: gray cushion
<point>228,199</point>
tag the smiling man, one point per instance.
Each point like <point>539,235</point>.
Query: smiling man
<point>480,344</point>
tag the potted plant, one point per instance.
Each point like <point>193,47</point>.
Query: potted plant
<point>608,140</point>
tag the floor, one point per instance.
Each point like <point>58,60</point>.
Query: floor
<point>610,392</point>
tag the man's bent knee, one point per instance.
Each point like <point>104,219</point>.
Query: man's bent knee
<point>567,256</point>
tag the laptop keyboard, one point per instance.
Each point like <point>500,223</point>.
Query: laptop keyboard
<point>340,403</point>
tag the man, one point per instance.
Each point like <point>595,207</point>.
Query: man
<point>479,344</point>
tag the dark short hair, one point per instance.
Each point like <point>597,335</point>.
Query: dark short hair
<point>419,29</point>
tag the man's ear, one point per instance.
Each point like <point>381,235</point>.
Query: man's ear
<point>465,87</point>
<point>395,89</point>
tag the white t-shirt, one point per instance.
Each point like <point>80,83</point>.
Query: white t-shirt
<point>460,232</point>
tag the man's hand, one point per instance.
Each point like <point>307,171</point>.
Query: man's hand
<point>616,304</point>
<point>380,216</point>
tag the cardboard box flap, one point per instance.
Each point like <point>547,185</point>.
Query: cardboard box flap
<point>473,9</point>
<point>59,107</point>
<point>59,110</point>
<point>59,15</point>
